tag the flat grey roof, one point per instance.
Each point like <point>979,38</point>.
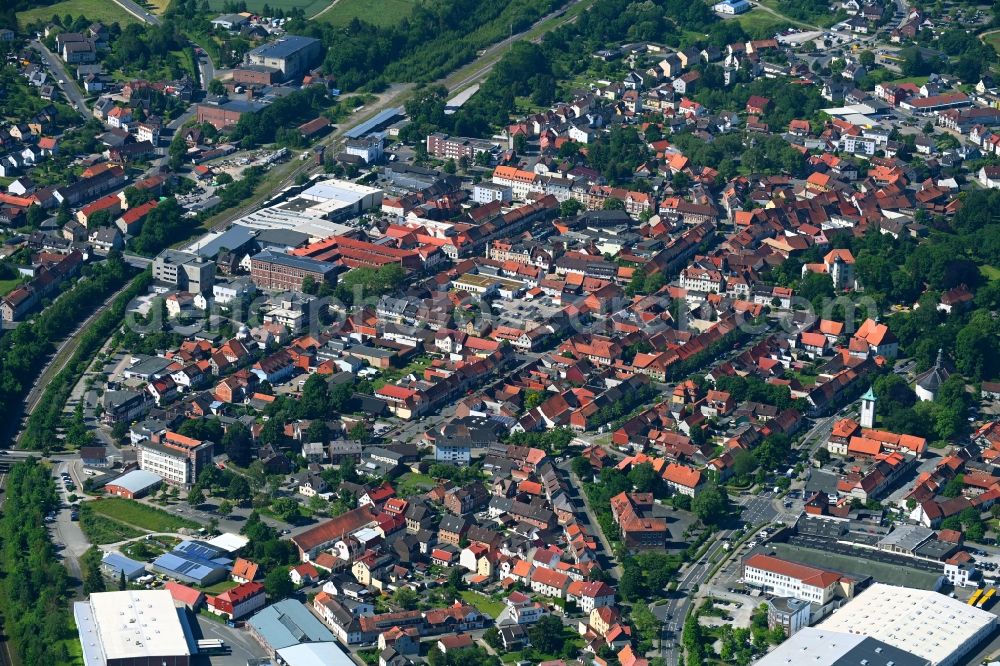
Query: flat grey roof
<point>373,123</point>
<point>302,263</point>
<point>288,623</point>
<point>284,47</point>
<point>233,238</point>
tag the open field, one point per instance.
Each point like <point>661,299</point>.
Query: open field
<point>140,515</point>
<point>379,12</point>
<point>310,7</point>
<point>95,10</point>
<point>758,22</point>
<point>101,529</point>
<point>156,6</point>
<point>992,38</point>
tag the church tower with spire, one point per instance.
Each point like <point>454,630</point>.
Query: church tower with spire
<point>868,409</point>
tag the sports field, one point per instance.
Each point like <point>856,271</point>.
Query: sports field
<point>104,11</point>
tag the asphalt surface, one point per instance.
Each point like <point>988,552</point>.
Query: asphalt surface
<point>138,11</point>
<point>69,88</point>
<point>66,532</point>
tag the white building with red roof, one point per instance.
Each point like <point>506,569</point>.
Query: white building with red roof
<point>790,579</point>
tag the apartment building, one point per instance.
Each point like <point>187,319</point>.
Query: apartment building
<point>176,458</point>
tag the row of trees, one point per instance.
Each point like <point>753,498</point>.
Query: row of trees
<point>33,585</point>
<point>24,351</point>
<point>432,41</point>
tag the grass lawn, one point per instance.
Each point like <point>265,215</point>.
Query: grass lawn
<point>220,587</point>
<point>310,7</point>
<point>7,286</point>
<point>392,375</point>
<point>156,6</point>
<point>100,529</point>
<point>483,603</point>
<point>990,272</point>
<point>993,39</point>
<point>141,515</point>
<point>916,80</point>
<point>379,12</point>
<point>411,484</point>
<point>758,22</point>
<point>73,646</point>
<point>94,10</point>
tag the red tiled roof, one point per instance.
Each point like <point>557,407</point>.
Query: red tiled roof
<point>807,575</point>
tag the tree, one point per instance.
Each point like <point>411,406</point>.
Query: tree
<point>744,464</point>
<point>177,151</point>
<point>225,508</point>
<point>215,87</point>
<point>533,398</point>
<point>711,505</point>
<point>450,167</point>
<point>359,432</point>
<point>121,580</point>
<point>318,505</point>
<point>582,467</point>
<point>196,497</point>
<point>277,584</point>
<point>643,477</point>
<point>631,584</point>
<point>315,397</point>
<point>520,143</point>
<point>456,579</point>
<point>239,489</point>
<point>309,285</point>
<point>492,638</point>
<point>236,444</point>
<point>612,203</point>
<point>406,598</point>
<point>570,208</point>
<point>318,431</point>
<point>547,635</point>
<point>286,509</point>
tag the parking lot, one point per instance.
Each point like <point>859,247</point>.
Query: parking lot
<point>241,647</point>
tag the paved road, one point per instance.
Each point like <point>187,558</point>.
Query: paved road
<point>70,89</point>
<point>592,525</point>
<point>207,68</point>
<point>755,511</point>
<point>138,11</point>
<point>66,532</point>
